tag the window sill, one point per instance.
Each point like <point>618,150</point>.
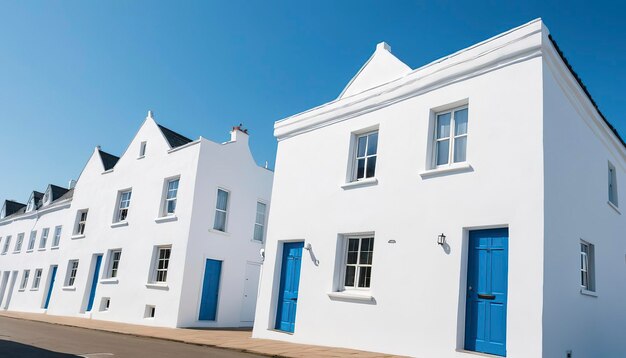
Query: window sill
<point>109,281</point>
<point>141,157</point>
<point>225,233</point>
<point>351,296</point>
<point>446,170</point>
<point>119,224</point>
<point>54,248</point>
<point>27,251</point>
<point>614,207</point>
<point>77,237</point>
<point>68,288</point>
<point>164,219</point>
<point>158,286</point>
<point>41,249</point>
<point>588,293</point>
<point>16,252</point>
<point>35,289</point>
<point>360,183</point>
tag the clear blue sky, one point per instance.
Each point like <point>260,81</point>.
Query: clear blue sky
<point>75,74</point>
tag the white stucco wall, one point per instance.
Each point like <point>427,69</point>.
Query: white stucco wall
<point>418,288</point>
<point>578,147</point>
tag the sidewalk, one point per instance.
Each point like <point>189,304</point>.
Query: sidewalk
<point>228,339</point>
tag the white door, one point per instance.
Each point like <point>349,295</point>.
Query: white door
<point>250,289</point>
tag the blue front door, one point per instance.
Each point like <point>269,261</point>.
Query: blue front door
<point>53,276</point>
<point>94,282</point>
<point>289,283</point>
<point>487,272</point>
<point>210,290</point>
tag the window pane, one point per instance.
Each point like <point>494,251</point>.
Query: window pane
<point>362,141</point>
<point>460,122</point>
<point>353,245</point>
<point>443,125</point>
<point>364,276</point>
<point>372,143</point>
<point>222,199</point>
<point>172,189</point>
<point>460,145</point>
<point>350,272</point>
<point>360,168</point>
<point>371,167</point>
<point>220,220</point>
<point>352,257</point>
<point>258,233</point>
<point>443,152</point>
<point>171,206</point>
<point>260,213</point>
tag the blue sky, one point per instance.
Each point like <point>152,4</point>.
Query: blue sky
<point>74,75</point>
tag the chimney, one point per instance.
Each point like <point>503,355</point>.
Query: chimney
<point>71,184</point>
<point>238,133</point>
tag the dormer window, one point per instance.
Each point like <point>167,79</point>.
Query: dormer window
<point>3,211</point>
<point>31,204</point>
<point>46,197</point>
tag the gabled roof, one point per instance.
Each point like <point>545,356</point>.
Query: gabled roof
<point>174,139</point>
<point>11,207</point>
<point>38,196</point>
<point>108,160</point>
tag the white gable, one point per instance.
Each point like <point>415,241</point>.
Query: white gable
<point>381,68</point>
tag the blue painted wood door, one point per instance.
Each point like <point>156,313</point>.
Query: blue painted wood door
<point>94,282</point>
<point>289,283</point>
<point>210,290</point>
<point>53,277</point>
<point>487,280</point>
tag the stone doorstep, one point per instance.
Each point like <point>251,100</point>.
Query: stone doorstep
<point>240,340</point>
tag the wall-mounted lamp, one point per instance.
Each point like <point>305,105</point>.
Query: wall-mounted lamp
<point>441,239</point>
<point>308,246</point>
<point>262,254</point>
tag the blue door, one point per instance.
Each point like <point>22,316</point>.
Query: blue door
<point>210,290</point>
<point>94,282</point>
<point>289,283</point>
<point>53,276</point>
<point>487,272</point>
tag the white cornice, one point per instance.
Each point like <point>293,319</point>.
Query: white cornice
<point>514,46</point>
<point>37,213</point>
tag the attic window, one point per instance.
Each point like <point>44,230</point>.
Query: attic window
<point>46,197</point>
<point>3,212</point>
<point>31,204</point>
<point>142,149</point>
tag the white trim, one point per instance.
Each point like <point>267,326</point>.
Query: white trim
<point>360,183</point>
<point>109,280</point>
<point>613,207</point>
<point>448,169</point>
<point>119,224</point>
<point>68,288</point>
<point>350,296</point>
<point>588,293</point>
<point>160,286</point>
<point>76,237</point>
<point>164,219</point>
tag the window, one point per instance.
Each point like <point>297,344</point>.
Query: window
<point>24,279</point>
<point>142,149</point>
<point>451,137</point>
<point>7,242</point>
<point>31,240</point>
<point>19,242</point>
<point>72,269</point>
<point>259,224</point>
<point>37,279</point>
<point>81,222</point>
<point>105,303</point>
<point>221,209</point>
<point>44,238</point>
<point>114,264</point>
<point>587,265</point>
<point>31,204</point>
<point>359,254</point>
<point>124,203</point>
<point>612,185</point>
<point>365,156</point>
<point>170,197</point>
<point>161,264</point>
<point>149,311</point>
<point>57,236</point>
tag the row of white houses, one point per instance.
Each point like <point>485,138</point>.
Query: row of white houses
<point>465,208</point>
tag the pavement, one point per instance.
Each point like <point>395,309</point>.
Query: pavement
<point>235,340</point>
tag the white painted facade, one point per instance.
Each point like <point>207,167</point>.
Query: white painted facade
<point>201,167</point>
<point>536,163</point>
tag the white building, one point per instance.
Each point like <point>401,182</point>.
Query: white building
<point>168,234</point>
<point>457,208</point>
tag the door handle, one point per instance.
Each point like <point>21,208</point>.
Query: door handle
<point>486,296</point>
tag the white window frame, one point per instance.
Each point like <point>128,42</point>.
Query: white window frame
<point>159,275</point>
<point>43,240</point>
<point>25,277</point>
<point>612,185</point>
<point>365,157</point>
<point>142,149</point>
<point>167,199</point>
<point>225,211</point>
<point>7,244</point>
<point>123,205</point>
<point>32,239</point>
<point>587,266</point>
<point>56,239</point>
<point>452,137</point>
<point>258,224</point>
<point>37,279</point>
<point>19,242</point>
<point>357,266</point>
<point>114,264</point>
<point>72,272</point>
<point>81,222</point>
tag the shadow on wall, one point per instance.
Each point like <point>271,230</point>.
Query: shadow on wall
<point>10,349</point>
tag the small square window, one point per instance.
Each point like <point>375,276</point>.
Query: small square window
<point>105,303</point>
<point>150,311</point>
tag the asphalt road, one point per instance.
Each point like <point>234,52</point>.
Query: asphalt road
<point>26,339</point>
